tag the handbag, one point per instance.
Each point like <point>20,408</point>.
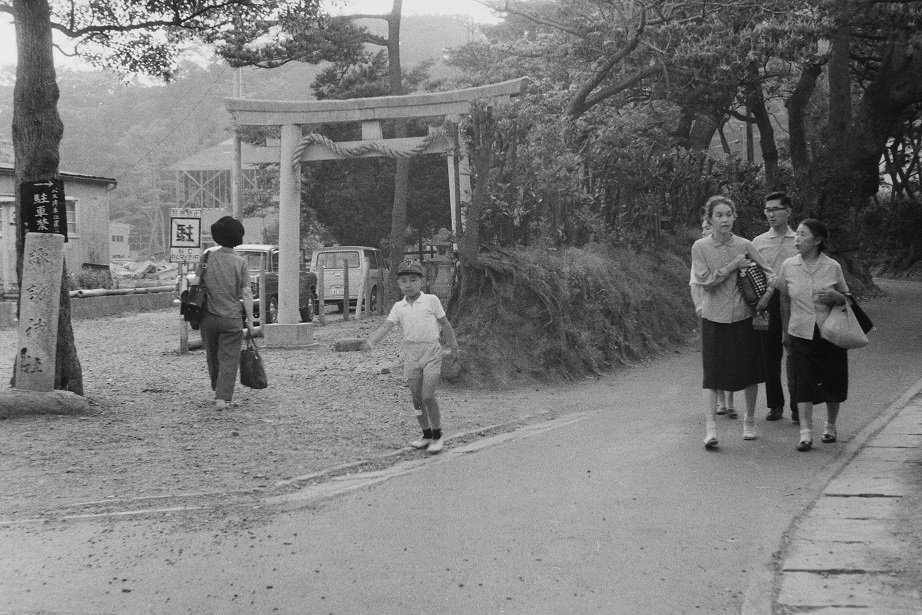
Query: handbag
<point>752,283</point>
<point>192,300</point>
<point>860,316</point>
<point>252,371</point>
<point>841,328</point>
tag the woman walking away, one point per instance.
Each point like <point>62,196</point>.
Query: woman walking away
<point>226,278</point>
<point>730,348</point>
<point>810,284</point>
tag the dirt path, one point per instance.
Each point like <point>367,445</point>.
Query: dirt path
<point>153,437</point>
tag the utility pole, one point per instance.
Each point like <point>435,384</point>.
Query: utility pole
<point>238,154</point>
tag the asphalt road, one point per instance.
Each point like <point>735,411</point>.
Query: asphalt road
<point>614,508</point>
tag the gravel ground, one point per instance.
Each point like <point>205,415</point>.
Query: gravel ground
<point>153,436</point>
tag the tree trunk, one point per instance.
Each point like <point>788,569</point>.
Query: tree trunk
<point>402,172</point>
<point>796,105</point>
<point>840,88</point>
<point>482,159</point>
<point>37,132</point>
<point>755,103</point>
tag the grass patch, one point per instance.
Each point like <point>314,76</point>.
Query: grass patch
<point>547,314</point>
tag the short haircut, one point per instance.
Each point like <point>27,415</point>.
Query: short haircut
<point>779,196</point>
<point>714,201</point>
<point>817,229</point>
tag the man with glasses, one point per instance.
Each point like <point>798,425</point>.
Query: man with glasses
<point>776,245</point>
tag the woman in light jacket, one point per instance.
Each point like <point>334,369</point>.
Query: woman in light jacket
<point>730,349</point>
<point>810,284</point>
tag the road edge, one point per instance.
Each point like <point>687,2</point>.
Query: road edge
<point>759,598</point>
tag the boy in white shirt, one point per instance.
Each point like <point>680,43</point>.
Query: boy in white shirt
<point>421,317</point>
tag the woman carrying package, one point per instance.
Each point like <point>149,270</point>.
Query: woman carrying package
<point>810,284</point>
<point>226,278</point>
<point>730,348</point>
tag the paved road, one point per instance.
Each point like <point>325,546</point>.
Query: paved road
<point>614,508</point>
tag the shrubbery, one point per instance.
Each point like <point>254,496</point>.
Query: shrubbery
<point>546,314</point>
<point>87,278</point>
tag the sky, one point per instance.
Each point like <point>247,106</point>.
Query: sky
<point>410,7</point>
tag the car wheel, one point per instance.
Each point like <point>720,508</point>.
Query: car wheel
<point>307,312</point>
<point>272,314</point>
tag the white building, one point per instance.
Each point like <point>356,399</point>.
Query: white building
<point>118,241</point>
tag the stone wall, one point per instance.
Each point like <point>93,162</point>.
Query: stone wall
<point>84,308</point>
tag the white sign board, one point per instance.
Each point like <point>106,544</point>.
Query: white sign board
<point>185,235</point>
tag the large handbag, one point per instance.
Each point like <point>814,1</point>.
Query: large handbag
<point>192,300</point>
<point>860,316</point>
<point>252,371</point>
<point>752,283</point>
<point>841,328</point>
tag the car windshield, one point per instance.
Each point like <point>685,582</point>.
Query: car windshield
<point>254,259</point>
<point>334,260</point>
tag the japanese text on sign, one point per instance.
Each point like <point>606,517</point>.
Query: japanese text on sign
<point>185,235</point>
<point>44,208</point>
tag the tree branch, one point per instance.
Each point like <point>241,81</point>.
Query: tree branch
<point>580,101</point>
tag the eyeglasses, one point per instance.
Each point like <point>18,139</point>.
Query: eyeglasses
<point>771,210</point>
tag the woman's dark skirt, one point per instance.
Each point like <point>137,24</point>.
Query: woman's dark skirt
<point>732,355</point>
<point>820,370</point>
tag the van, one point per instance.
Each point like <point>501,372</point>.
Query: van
<point>364,264</point>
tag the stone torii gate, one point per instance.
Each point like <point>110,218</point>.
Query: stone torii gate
<point>297,147</point>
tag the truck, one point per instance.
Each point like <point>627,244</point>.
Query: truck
<point>364,263</point>
<point>266,256</point>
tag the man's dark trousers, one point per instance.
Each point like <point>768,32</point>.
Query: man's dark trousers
<point>772,352</point>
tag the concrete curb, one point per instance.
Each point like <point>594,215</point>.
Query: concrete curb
<point>764,582</point>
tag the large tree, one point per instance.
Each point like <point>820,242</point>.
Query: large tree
<point>127,35</point>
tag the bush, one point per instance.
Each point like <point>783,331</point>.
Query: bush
<point>90,278</point>
<point>545,314</point>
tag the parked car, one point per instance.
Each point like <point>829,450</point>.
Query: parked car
<point>364,264</point>
<point>267,255</point>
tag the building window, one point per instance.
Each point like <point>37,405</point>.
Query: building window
<point>71,217</point>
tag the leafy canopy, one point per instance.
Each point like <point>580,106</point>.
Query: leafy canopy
<point>146,37</point>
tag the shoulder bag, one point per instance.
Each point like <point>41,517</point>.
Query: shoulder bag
<point>252,371</point>
<point>192,300</point>
<point>842,328</point>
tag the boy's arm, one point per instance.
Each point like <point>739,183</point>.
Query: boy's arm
<point>450,336</point>
<point>378,335</point>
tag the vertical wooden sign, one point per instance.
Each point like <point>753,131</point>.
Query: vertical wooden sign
<point>44,209</point>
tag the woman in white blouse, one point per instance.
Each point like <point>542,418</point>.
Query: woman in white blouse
<point>810,284</point>
<point>730,349</point>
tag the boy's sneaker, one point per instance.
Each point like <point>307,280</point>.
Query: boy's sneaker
<point>435,446</point>
<point>421,443</point>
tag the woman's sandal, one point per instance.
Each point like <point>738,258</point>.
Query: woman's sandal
<point>804,446</point>
<point>721,410</point>
<point>828,438</point>
<point>731,413</point>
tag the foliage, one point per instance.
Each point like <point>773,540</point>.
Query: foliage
<point>135,37</point>
<point>611,176</point>
<point>89,278</point>
<point>573,311</point>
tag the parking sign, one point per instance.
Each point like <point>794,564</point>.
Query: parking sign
<point>185,235</point>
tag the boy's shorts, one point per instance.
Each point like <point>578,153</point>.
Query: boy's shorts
<point>422,359</point>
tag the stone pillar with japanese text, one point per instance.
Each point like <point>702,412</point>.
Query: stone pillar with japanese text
<point>43,265</point>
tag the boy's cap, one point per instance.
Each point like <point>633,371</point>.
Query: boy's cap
<point>410,268</point>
